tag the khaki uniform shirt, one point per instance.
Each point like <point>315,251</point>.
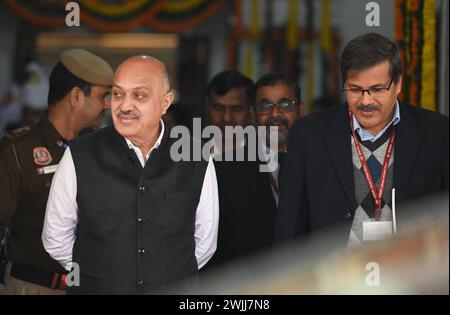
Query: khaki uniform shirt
<point>28,160</point>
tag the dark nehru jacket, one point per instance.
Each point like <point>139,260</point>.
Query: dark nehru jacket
<point>132,236</point>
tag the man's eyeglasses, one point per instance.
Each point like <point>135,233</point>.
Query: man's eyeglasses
<point>284,106</point>
<point>376,91</point>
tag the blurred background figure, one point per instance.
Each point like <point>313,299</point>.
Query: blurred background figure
<point>34,94</point>
<point>10,107</point>
<point>32,97</point>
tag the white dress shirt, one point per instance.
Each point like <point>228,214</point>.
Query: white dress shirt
<point>61,217</point>
<point>367,136</point>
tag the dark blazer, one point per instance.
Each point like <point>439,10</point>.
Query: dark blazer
<point>317,186</point>
<point>247,211</point>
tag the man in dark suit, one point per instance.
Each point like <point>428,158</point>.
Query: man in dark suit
<point>249,197</point>
<point>343,162</point>
<point>247,204</point>
<point>248,210</point>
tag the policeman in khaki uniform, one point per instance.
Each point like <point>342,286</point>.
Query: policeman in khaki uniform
<point>78,94</point>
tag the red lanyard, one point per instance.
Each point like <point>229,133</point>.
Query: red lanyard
<point>376,194</point>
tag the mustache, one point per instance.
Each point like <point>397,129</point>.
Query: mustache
<point>368,107</point>
<point>277,120</point>
<point>128,114</point>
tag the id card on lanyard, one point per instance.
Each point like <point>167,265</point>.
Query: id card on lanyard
<point>378,231</point>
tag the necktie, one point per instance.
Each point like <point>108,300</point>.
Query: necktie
<point>281,159</point>
<point>273,182</point>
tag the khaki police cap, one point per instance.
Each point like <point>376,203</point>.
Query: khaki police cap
<point>87,66</point>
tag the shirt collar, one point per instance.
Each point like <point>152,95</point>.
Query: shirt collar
<point>51,133</point>
<point>367,136</point>
<point>270,156</point>
<point>155,146</point>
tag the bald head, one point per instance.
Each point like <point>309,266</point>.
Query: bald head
<point>140,96</point>
<point>145,64</point>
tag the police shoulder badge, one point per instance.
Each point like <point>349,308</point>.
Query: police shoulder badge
<point>42,156</point>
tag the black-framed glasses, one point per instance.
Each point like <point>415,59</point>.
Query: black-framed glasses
<point>284,105</point>
<point>376,91</point>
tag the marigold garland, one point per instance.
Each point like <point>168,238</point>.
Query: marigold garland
<point>428,93</point>
<point>415,33</point>
<point>161,15</point>
<point>399,37</point>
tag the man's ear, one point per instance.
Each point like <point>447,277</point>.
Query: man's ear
<point>167,101</point>
<point>301,109</point>
<point>77,97</point>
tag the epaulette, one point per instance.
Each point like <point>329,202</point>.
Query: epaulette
<point>19,133</point>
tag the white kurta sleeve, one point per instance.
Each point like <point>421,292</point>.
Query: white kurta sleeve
<point>58,234</point>
<point>207,218</point>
